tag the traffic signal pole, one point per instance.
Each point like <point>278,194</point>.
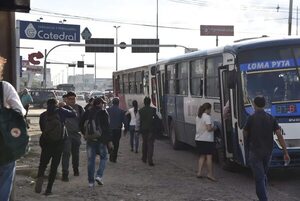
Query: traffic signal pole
<point>97,45</point>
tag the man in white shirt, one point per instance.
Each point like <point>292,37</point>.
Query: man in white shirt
<point>10,100</point>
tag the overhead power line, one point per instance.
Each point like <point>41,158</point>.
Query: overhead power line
<point>55,14</point>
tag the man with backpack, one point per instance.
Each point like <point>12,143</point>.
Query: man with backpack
<point>98,137</point>
<point>51,141</point>
<point>73,141</point>
<point>10,99</point>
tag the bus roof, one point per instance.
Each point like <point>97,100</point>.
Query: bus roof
<point>245,45</point>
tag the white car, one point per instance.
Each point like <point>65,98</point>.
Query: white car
<point>95,94</point>
<point>80,100</point>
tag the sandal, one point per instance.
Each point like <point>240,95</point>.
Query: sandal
<point>211,179</point>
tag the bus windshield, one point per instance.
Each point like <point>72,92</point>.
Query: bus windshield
<point>271,72</point>
<point>275,86</point>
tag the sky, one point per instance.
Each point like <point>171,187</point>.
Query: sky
<point>178,20</point>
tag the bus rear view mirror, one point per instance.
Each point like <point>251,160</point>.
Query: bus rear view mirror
<point>153,70</point>
<point>231,79</point>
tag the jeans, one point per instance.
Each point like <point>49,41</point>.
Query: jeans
<point>148,146</point>
<point>259,167</point>
<point>116,135</point>
<point>7,174</point>
<point>134,139</point>
<point>92,148</point>
<point>50,151</point>
<point>71,146</point>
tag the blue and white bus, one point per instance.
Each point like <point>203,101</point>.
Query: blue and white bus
<point>235,74</point>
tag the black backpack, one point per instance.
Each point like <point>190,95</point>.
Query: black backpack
<point>91,130</point>
<point>13,133</point>
<point>54,128</point>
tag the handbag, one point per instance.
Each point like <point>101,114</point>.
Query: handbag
<point>13,133</point>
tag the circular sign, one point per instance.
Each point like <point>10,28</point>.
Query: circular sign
<point>122,45</point>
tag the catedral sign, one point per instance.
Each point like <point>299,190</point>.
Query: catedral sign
<point>49,31</point>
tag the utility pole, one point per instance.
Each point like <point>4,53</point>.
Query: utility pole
<point>95,71</point>
<point>290,17</point>
<point>156,26</point>
<point>117,27</point>
<point>83,72</point>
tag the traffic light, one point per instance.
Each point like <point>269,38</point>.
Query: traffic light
<point>80,64</point>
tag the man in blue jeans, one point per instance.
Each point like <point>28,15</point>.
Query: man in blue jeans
<point>258,133</point>
<point>97,144</point>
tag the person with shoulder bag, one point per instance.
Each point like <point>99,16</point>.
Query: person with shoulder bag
<point>11,134</point>
<point>98,138</point>
<point>51,141</point>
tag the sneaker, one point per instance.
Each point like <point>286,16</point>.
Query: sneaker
<point>99,181</point>
<point>91,185</point>
<point>39,184</point>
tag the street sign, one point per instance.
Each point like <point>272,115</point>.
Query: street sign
<point>216,30</point>
<point>104,41</point>
<point>145,41</point>
<point>86,34</point>
<point>33,56</point>
<point>49,31</point>
<point>35,69</point>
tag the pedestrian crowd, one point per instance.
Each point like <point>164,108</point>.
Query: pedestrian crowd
<point>64,124</point>
<point>101,127</point>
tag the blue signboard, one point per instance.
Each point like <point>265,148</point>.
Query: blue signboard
<point>49,31</point>
<point>265,65</point>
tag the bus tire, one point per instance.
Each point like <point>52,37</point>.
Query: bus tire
<point>173,137</point>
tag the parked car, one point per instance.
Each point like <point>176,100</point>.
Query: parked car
<point>94,94</point>
<point>80,100</point>
<point>40,97</point>
<point>59,94</point>
<point>85,93</point>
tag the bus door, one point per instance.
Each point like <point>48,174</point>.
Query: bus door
<point>226,111</point>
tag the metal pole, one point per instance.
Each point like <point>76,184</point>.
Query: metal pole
<point>297,22</point>
<point>117,27</point>
<point>74,75</point>
<point>83,72</point>
<point>95,70</point>
<point>290,17</point>
<point>45,70</point>
<point>156,26</point>
<point>217,41</point>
